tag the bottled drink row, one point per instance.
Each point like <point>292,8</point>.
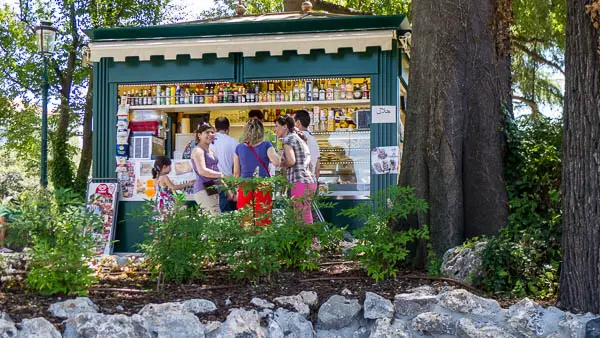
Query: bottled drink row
<point>277,91</point>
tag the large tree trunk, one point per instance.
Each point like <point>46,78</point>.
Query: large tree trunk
<point>85,162</point>
<point>459,90</point>
<point>580,271</point>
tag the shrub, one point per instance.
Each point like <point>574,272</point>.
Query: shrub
<point>380,249</point>
<point>524,258</point>
<point>59,231</point>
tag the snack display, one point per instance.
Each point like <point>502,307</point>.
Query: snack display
<point>385,160</point>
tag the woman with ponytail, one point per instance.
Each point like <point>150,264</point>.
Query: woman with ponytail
<point>296,158</point>
<point>164,203</point>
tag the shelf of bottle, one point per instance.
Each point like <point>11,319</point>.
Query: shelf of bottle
<point>344,162</point>
<point>362,131</point>
<point>341,149</point>
<point>237,106</point>
<point>265,124</point>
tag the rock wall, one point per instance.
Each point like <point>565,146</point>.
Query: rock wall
<point>419,313</point>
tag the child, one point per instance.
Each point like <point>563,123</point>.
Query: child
<point>164,202</point>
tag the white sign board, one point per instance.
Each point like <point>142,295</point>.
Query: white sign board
<point>383,114</point>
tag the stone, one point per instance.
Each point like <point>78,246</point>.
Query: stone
<point>296,302</point>
<point>228,302</point>
<point>433,323</point>
<point>211,329</point>
<point>119,308</point>
<point>574,326</point>
<point>362,332</point>
<point>466,328</point>
<point>377,307</point>
<point>39,328</point>
<point>122,261</point>
<point>423,290</point>
<point>242,323</point>
<point>92,325</point>
<point>462,263</point>
<point>7,329</point>
<point>199,306</point>
<point>464,302</point>
<point>293,324</point>
<point>73,307</point>
<point>532,320</point>
<point>337,313</point>
<point>412,304</point>
<point>592,328</point>
<point>265,313</point>
<point>261,303</point>
<point>5,316</point>
<point>383,328</point>
<point>346,292</point>
<point>171,320</point>
<point>274,330</point>
<point>310,298</point>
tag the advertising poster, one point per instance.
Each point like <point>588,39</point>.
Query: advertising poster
<point>140,183</point>
<point>385,160</point>
<point>102,200</point>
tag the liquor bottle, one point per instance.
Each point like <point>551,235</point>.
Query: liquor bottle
<point>186,96</point>
<point>199,98</point>
<point>158,93</point>
<point>349,89</point>
<point>336,91</point>
<point>163,96</point>
<point>322,95</point>
<point>235,95</point>
<point>329,92</point>
<point>315,91</point>
<point>178,95</point>
<point>365,89</point>
<point>153,97</point>
<point>296,92</point>
<point>257,92</point>
<point>357,93</point>
<point>331,120</point>
<point>219,92</point>
<point>302,91</point>
<point>192,98</point>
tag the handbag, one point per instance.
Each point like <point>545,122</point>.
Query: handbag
<point>211,188</point>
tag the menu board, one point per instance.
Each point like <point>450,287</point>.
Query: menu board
<point>102,200</point>
<point>385,160</point>
<point>140,185</point>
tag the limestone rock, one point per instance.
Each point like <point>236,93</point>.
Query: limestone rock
<point>73,307</point>
<point>383,328</point>
<point>171,320</point>
<point>296,301</point>
<point>467,328</point>
<point>412,304</point>
<point>462,263</point>
<point>310,298</point>
<point>241,323</point>
<point>211,329</point>
<point>261,303</point>
<point>532,320</point>
<point>433,323</point>
<point>293,324</point>
<point>92,325</point>
<point>377,307</point>
<point>7,329</point>
<point>5,316</point>
<point>199,306</point>
<point>464,302</point>
<point>362,332</point>
<point>573,326</point>
<point>338,312</point>
<point>39,328</point>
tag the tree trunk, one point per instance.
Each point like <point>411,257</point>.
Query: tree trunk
<point>458,93</point>
<point>580,271</point>
<point>85,162</point>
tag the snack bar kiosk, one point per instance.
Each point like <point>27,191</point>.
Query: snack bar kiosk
<point>153,85</point>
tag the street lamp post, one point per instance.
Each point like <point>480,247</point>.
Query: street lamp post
<point>45,35</point>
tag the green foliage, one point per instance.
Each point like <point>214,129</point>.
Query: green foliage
<point>380,249</point>
<point>179,247</point>
<point>524,258</point>
<point>59,231</point>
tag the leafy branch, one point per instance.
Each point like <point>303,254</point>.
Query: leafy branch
<point>536,56</point>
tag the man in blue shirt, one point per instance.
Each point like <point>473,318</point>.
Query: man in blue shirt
<point>224,148</point>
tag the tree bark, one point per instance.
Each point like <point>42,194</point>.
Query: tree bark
<point>580,271</point>
<point>85,162</point>
<point>458,93</point>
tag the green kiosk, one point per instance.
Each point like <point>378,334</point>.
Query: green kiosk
<point>153,85</point>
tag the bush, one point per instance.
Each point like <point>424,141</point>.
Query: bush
<point>524,258</point>
<point>59,231</point>
<point>380,249</point>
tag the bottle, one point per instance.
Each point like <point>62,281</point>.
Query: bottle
<point>302,87</point>
<point>315,92</point>
<point>331,120</point>
<point>296,92</point>
<point>365,89</point>
<point>349,89</point>
<point>219,93</point>
<point>357,93</point>
<point>336,92</point>
<point>192,98</point>
<point>322,92</point>
<point>153,97</point>
<point>163,96</point>
<point>178,95</point>
<point>329,92</point>
<point>343,91</point>
<point>199,98</point>
<point>158,94</point>
<point>173,97</point>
